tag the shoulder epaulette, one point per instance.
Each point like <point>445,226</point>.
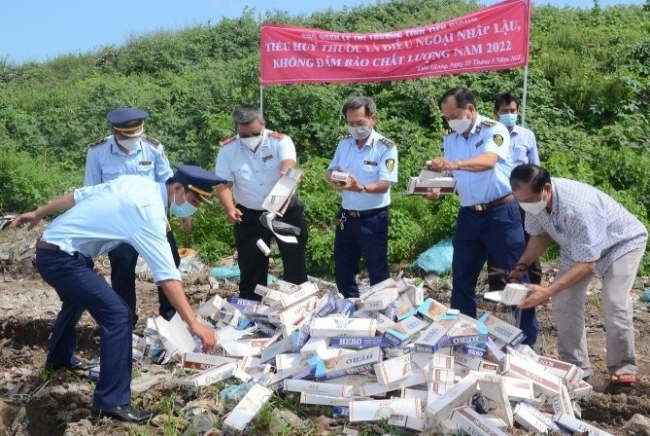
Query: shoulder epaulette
<point>228,141</point>
<point>98,142</point>
<point>274,134</point>
<point>342,137</point>
<point>488,123</point>
<point>151,141</point>
<point>387,142</point>
<point>447,132</point>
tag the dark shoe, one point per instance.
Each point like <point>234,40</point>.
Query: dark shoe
<point>125,413</point>
<point>76,364</point>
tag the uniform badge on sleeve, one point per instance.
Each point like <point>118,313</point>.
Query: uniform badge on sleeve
<point>390,164</point>
<point>498,139</point>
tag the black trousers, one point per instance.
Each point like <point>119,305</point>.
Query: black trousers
<point>124,259</point>
<point>253,264</point>
<point>498,279</point>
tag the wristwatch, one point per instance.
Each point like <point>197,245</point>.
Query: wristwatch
<point>363,189</point>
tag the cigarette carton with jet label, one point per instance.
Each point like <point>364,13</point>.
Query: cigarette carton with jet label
<point>292,314</point>
<point>343,327</point>
<point>394,369</point>
<point>319,388</point>
<point>376,410</point>
<point>309,398</point>
<point>247,408</point>
<point>404,330</point>
<point>383,322</point>
<point>376,388</point>
<point>380,300</point>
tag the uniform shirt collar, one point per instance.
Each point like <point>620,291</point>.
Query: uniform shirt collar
<point>115,149</point>
<point>479,119</point>
<point>370,142</point>
<point>515,130</point>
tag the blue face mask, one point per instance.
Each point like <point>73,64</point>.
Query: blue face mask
<point>183,210</point>
<point>508,120</point>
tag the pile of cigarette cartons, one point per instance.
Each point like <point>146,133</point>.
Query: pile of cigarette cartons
<point>427,180</point>
<point>389,354</point>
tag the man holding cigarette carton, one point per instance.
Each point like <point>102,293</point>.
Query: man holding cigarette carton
<point>253,161</point>
<point>597,237</point>
<point>363,168</point>
<point>477,153</point>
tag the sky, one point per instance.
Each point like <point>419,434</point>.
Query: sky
<point>39,30</point>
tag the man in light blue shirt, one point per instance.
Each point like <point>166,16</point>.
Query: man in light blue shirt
<point>130,209</point>
<point>362,230</point>
<point>523,150</point>
<point>597,237</point>
<point>129,151</point>
<point>489,222</point>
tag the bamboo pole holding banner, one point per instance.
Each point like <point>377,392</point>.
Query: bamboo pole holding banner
<point>261,86</point>
<point>523,99</point>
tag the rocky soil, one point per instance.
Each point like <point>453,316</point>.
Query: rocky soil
<point>37,403</point>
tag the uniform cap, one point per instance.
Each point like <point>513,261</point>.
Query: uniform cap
<point>129,121</point>
<point>198,180</point>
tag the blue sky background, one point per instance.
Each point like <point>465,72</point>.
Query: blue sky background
<point>38,30</point>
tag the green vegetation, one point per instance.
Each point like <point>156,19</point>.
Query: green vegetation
<point>588,103</point>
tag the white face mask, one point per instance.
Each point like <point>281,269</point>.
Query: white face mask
<point>129,143</point>
<point>252,142</point>
<point>460,125</point>
<point>534,208</point>
<point>360,133</point>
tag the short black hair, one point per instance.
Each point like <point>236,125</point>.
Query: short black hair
<point>354,103</point>
<point>462,94</point>
<point>246,114</point>
<point>530,175</point>
<point>505,99</point>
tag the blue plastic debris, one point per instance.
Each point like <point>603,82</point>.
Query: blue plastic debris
<point>235,392</point>
<point>645,297</point>
<point>437,259</point>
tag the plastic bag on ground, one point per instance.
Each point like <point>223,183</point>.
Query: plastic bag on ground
<point>437,259</point>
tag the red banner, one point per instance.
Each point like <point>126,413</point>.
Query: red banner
<point>493,38</point>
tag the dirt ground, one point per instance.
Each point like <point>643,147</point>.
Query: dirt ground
<point>33,404</point>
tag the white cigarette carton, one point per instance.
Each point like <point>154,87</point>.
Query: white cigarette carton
<point>519,389</point>
<point>306,290</point>
<point>472,423</point>
<point>513,294</point>
<point>374,389</point>
<point>493,389</point>
<point>543,382</point>
<point>460,395</point>
<point>380,300</point>
<point>430,179</point>
<point>576,425</point>
<point>210,308</point>
<point>368,356</point>
<point>313,346</point>
<point>501,330</point>
<point>367,292</point>
<point>309,398</point>
<point>175,336</point>
<point>278,199</point>
<point>287,360</point>
<point>324,389</point>
<point>394,369</point>
<point>562,402</point>
<point>546,419</point>
<point>355,380</point>
<point>422,394</point>
<point>247,408</point>
<point>571,374</point>
<point>293,314</point>
<point>202,361</point>
<point>584,389</point>
<point>415,295</point>
<point>403,331</point>
<point>383,322</point>
<point>436,335</point>
<point>339,176</point>
<point>331,327</point>
<point>409,422</point>
<point>376,410</point>
<point>529,421</point>
<point>210,376</point>
<point>269,352</point>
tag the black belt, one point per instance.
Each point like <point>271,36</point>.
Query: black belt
<point>362,213</point>
<point>492,204</point>
<point>47,246</point>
